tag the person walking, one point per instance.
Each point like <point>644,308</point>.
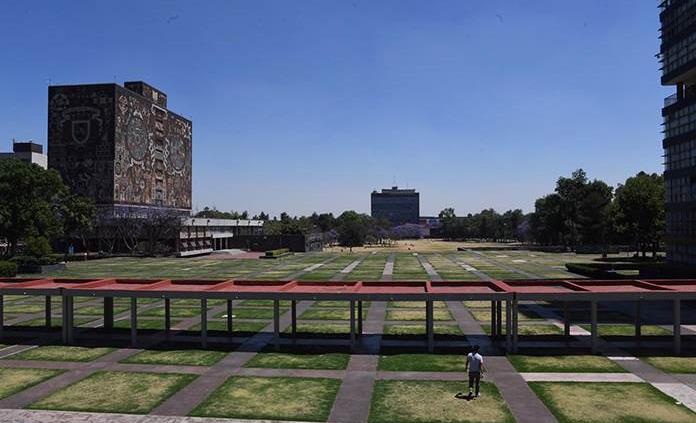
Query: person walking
<point>475,367</point>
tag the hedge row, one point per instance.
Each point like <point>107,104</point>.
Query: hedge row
<point>8,269</point>
<point>277,253</point>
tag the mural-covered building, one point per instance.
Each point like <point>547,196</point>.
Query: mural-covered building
<point>121,147</point>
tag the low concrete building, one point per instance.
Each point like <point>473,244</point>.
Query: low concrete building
<point>28,151</point>
<point>200,235</point>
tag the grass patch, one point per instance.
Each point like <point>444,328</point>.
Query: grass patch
<point>422,363</point>
<point>263,303</point>
<point>276,398</point>
<point>185,357</point>
<point>530,330</point>
<point>416,401</point>
<point>61,353</point>
<point>329,314</point>
<point>99,310</point>
<point>183,312</point>
<point>237,327</point>
<point>338,304</point>
<point>602,402</point>
<point>147,324</point>
<point>401,315</point>
<point>403,330</point>
<point>414,304</point>
<point>116,392</point>
<point>628,330</point>
<point>250,313</point>
<point>564,364</point>
<point>309,360</point>
<point>673,364</point>
<point>319,328</point>
<point>15,380</point>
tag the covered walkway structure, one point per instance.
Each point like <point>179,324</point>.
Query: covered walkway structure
<point>511,292</point>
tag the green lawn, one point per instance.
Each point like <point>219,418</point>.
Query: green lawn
<point>564,364</point>
<point>628,330</point>
<point>417,315</point>
<point>61,353</point>
<point>116,392</point>
<point>320,313</point>
<point>602,402</point>
<point>149,324</point>
<point>438,329</point>
<point>414,304</point>
<point>673,364</point>
<point>309,360</point>
<point>186,357</point>
<point>250,313</point>
<point>273,398</point>
<point>15,380</point>
<point>422,363</point>
<point>320,328</point>
<point>237,327</point>
<point>416,401</point>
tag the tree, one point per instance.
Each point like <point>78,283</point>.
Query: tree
<point>352,228</point>
<point>546,222</point>
<point>640,210</point>
<point>29,200</point>
<point>77,215</point>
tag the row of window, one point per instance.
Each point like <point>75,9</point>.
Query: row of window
<point>678,190</point>
<point>679,17</point>
<point>679,54</point>
<point>680,252</point>
<point>681,121</point>
<point>680,156</point>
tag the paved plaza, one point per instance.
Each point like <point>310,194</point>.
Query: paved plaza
<point>390,377</point>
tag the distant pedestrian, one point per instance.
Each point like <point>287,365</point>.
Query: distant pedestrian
<point>474,365</point>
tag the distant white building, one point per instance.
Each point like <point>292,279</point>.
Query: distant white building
<point>28,152</point>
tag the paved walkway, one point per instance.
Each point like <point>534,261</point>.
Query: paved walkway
<point>388,268</point>
<point>30,416</point>
<point>346,270</point>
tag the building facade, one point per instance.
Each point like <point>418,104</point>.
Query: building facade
<point>29,152</point>
<point>398,206</point>
<point>678,61</point>
<point>121,147</point>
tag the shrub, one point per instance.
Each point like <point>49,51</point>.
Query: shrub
<point>38,246</point>
<point>277,253</point>
<point>8,269</point>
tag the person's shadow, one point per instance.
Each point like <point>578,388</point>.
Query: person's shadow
<point>468,397</point>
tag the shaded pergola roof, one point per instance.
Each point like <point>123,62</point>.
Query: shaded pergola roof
<point>560,289</point>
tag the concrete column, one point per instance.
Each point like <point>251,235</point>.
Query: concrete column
<point>677,327</point>
<point>47,311</point>
<point>70,321</point>
<point>2,316</point>
<point>508,327</point>
<point>593,331</point>
<point>352,325</point>
<point>360,318</point>
<point>134,321</point>
<point>429,325</point>
<point>65,319</point>
<point>499,318</point>
<point>494,324</point>
<point>637,320</point>
<point>229,317</point>
<point>167,316</point>
<point>276,324</point>
<point>566,318</point>
<point>108,313</point>
<point>515,326</point>
<point>293,317</point>
<point>204,323</point>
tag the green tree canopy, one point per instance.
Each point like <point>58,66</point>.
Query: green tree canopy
<point>30,198</point>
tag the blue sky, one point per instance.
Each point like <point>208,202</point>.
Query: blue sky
<point>310,105</point>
